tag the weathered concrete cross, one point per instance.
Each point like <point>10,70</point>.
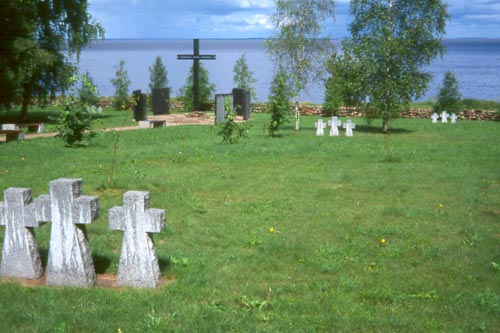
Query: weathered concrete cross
<point>196,57</point>
<point>70,259</point>
<point>138,261</point>
<point>334,123</point>
<point>435,118</point>
<point>349,126</point>
<point>454,118</point>
<point>320,126</point>
<point>20,256</point>
<point>444,117</point>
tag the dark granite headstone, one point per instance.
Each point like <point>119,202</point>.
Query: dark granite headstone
<point>241,102</point>
<point>141,107</point>
<point>161,101</point>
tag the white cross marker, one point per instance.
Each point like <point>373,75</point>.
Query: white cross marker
<point>435,118</point>
<point>320,126</point>
<point>334,123</point>
<point>138,261</point>
<point>349,126</point>
<point>444,117</point>
<point>454,118</point>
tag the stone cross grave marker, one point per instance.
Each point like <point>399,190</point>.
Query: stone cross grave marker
<point>138,261</point>
<point>454,118</point>
<point>435,118</point>
<point>320,126</point>
<point>196,57</point>
<point>70,259</point>
<point>20,256</point>
<point>334,123</point>
<point>444,117</point>
<point>349,126</point>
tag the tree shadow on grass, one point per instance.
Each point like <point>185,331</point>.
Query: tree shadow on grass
<point>101,263</point>
<point>14,117</point>
<point>372,129</point>
<point>164,263</point>
<point>46,117</point>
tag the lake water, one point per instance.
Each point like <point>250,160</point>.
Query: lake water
<point>475,62</point>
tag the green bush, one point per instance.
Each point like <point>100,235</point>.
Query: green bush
<point>121,82</point>
<point>88,93</point>
<point>158,75</point>
<point>207,89</point>
<point>449,98</point>
<point>279,102</point>
<point>229,130</point>
<point>475,104</point>
<point>243,77</point>
<point>74,123</point>
<point>343,87</point>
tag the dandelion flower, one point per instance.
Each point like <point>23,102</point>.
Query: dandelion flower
<point>271,230</point>
<point>382,241</point>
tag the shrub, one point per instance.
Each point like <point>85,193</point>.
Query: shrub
<point>229,130</point>
<point>449,98</point>
<point>343,87</point>
<point>74,123</point>
<point>243,77</point>
<point>207,89</point>
<point>121,82</point>
<point>88,93</point>
<point>475,104</point>
<point>279,102</point>
<point>158,75</point>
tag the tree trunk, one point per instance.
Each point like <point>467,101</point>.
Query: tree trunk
<point>24,108</point>
<point>385,126</point>
<point>297,114</point>
<point>26,101</point>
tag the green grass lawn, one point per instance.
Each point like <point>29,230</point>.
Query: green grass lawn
<point>374,233</point>
<point>109,118</point>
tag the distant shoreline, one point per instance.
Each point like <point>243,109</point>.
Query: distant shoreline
<point>262,38</point>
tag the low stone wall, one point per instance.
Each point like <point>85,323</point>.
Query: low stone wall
<point>317,110</point>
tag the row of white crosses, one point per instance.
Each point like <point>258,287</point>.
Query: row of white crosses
<point>70,260</point>
<point>444,117</point>
<point>334,124</point>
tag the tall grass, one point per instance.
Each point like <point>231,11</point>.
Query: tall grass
<point>392,233</point>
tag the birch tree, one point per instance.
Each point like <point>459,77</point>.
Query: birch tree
<point>300,45</point>
<point>394,40</point>
<point>39,40</point>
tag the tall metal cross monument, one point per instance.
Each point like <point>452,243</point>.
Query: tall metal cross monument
<point>196,57</point>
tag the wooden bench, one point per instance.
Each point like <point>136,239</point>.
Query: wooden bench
<point>12,135</point>
<point>33,127</point>
<point>152,123</point>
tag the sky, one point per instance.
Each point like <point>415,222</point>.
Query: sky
<point>186,19</point>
